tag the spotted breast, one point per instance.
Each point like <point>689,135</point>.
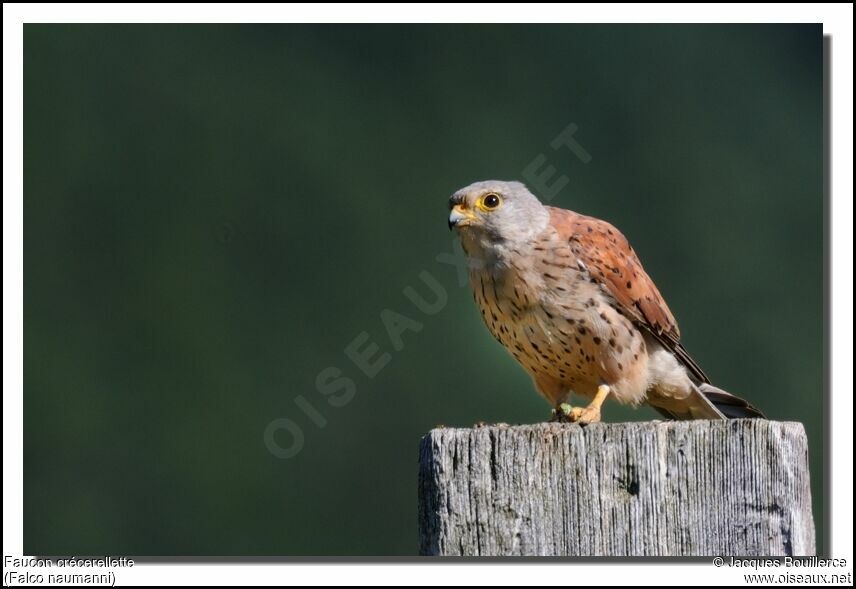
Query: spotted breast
<point>541,302</point>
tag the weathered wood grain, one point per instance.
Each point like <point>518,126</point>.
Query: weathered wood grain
<point>701,488</point>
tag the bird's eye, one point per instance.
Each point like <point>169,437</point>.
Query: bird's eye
<point>490,201</point>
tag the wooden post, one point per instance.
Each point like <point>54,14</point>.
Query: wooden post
<point>701,488</point>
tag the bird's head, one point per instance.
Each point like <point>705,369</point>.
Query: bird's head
<point>494,212</point>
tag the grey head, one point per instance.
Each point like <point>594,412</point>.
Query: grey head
<point>496,213</point>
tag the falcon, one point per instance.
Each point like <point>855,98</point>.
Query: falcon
<point>568,298</point>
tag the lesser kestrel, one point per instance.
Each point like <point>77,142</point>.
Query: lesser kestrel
<point>567,296</point>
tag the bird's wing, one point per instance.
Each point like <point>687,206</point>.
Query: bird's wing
<point>612,263</point>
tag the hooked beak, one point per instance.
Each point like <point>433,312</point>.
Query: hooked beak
<point>460,217</point>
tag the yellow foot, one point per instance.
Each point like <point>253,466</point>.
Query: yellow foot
<point>581,415</point>
<point>588,415</point>
<point>562,414</point>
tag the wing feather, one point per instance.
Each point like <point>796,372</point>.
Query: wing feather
<point>611,262</point>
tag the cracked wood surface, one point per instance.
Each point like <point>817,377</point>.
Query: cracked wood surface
<point>688,488</point>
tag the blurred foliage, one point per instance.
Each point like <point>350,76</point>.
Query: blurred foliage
<point>213,213</point>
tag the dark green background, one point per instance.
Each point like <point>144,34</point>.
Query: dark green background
<point>212,213</point>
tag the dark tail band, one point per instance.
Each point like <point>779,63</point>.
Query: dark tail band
<point>730,406</point>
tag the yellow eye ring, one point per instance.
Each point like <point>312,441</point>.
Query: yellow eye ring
<point>489,202</point>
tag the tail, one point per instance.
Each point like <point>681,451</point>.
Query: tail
<point>707,402</point>
<point>730,406</point>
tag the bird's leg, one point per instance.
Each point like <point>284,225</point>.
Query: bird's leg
<point>590,413</point>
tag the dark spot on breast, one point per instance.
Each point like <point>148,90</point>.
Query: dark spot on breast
<point>620,367</point>
<point>629,284</point>
<point>611,342</point>
<point>581,330</point>
<point>596,340</point>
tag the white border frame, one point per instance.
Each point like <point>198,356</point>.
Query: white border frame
<point>837,21</point>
